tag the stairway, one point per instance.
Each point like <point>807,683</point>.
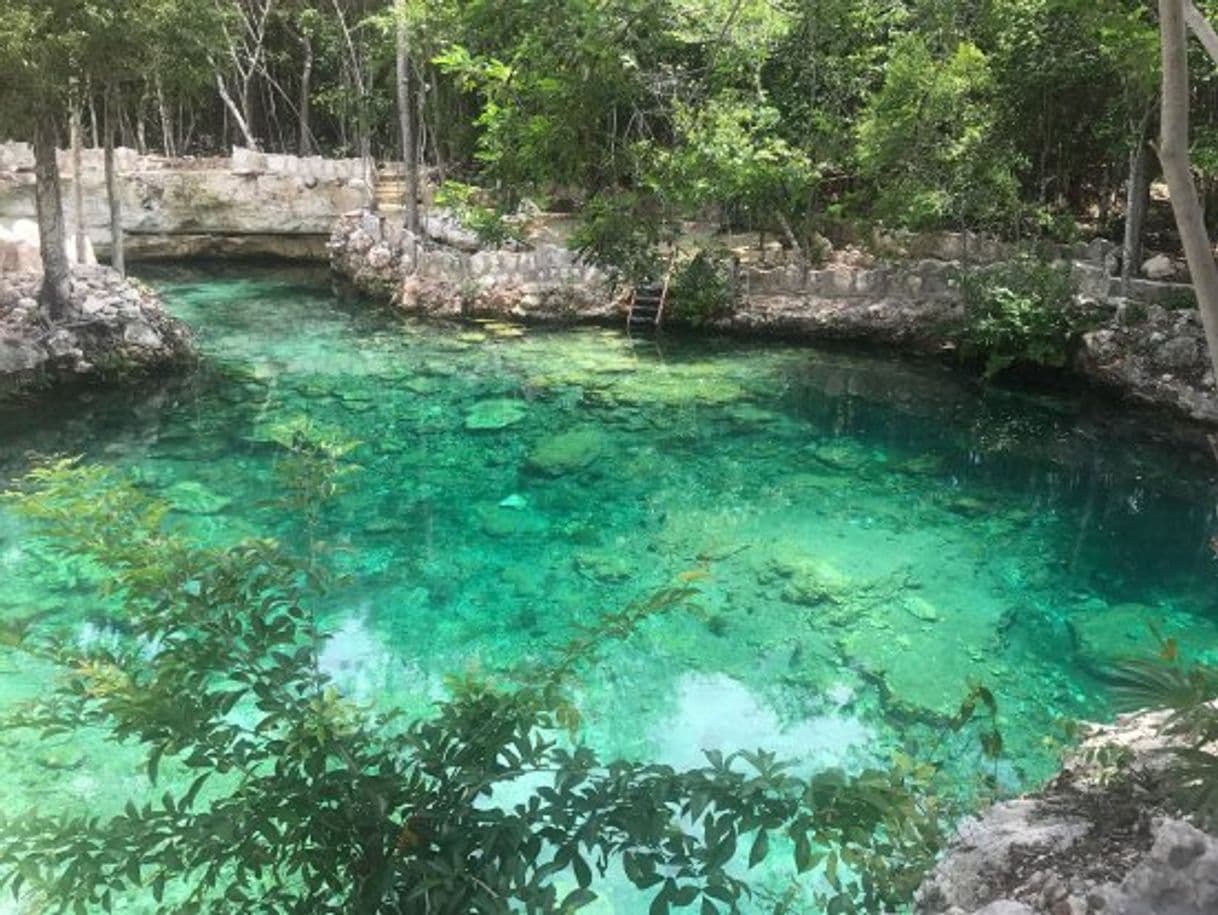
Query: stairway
<point>646,308</point>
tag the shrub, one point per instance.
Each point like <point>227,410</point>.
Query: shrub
<point>701,289</point>
<point>489,226</point>
<point>1022,311</point>
<point>620,233</point>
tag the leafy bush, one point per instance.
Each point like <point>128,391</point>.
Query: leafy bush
<point>489,226</point>
<point>701,289</point>
<point>620,233</point>
<point>284,796</point>
<point>1020,311</point>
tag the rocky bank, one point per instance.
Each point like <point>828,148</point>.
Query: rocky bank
<point>117,328</point>
<point>1149,348</point>
<point>1103,836</point>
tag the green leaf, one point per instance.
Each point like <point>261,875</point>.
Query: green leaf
<point>577,899</point>
<point>583,873</point>
<point>761,846</point>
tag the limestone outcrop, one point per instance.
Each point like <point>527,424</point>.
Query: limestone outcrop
<point>247,203</point>
<point>118,328</point>
<point>1102,837</point>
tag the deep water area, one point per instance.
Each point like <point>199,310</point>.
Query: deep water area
<point>870,537</point>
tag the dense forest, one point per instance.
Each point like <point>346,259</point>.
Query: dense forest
<point>1021,117</point>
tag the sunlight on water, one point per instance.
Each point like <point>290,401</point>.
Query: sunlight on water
<point>869,537</point>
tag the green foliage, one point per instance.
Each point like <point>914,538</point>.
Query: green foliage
<point>621,233</point>
<point>729,155</point>
<point>1188,690</point>
<point>490,226</point>
<point>281,795</point>
<point>928,144</point>
<point>701,288</point>
<point>1019,312</point>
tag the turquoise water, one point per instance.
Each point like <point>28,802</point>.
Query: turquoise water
<point>869,536</point>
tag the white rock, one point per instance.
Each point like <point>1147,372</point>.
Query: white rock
<point>1159,267</point>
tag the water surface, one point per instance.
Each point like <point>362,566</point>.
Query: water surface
<point>870,536</point>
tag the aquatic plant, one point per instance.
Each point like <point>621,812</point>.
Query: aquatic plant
<point>285,795</point>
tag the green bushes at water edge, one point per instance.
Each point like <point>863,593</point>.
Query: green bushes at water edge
<point>1019,312</point>
<point>285,795</point>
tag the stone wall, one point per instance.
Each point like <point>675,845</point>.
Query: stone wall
<point>544,283</point>
<point>1149,349</point>
<point>251,202</point>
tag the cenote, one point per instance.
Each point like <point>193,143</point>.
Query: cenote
<point>869,537</point>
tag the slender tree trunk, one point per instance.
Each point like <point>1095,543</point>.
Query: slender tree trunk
<point>437,138</point>
<point>93,130</point>
<point>166,120</point>
<point>407,115</point>
<point>305,143</point>
<point>117,261</point>
<point>54,296</point>
<point>141,129</point>
<point>1137,200</point>
<point>231,107</point>
<point>78,182</point>
<point>1173,154</point>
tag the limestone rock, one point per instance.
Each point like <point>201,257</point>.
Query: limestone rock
<point>986,851</point>
<point>1178,877</point>
<point>115,323</point>
<point>498,413</point>
<point>567,452</point>
<point>1159,267</point>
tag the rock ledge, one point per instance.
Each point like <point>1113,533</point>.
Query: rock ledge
<point>118,328</point>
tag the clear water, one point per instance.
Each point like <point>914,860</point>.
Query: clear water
<point>870,536</point>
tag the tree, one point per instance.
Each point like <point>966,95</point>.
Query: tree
<point>407,114</point>
<point>41,46</point>
<point>1175,19</point>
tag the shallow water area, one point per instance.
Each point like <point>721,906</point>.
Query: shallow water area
<point>869,536</point>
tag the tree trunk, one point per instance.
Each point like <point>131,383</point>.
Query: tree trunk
<point>1173,154</point>
<point>302,108</point>
<point>407,115</point>
<point>54,296</point>
<point>231,107</point>
<point>166,120</point>
<point>93,130</point>
<point>117,261</point>
<point>78,183</point>
<point>1137,200</point>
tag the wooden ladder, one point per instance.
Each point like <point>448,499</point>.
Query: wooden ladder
<point>646,311</point>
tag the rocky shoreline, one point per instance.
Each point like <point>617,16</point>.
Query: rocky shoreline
<point>1146,351</point>
<point>118,328</point>
<point>1103,836</point>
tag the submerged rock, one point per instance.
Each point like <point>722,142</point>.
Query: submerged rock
<point>1104,635</point>
<point>567,452</point>
<point>194,498</point>
<point>809,581</point>
<point>495,414</point>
